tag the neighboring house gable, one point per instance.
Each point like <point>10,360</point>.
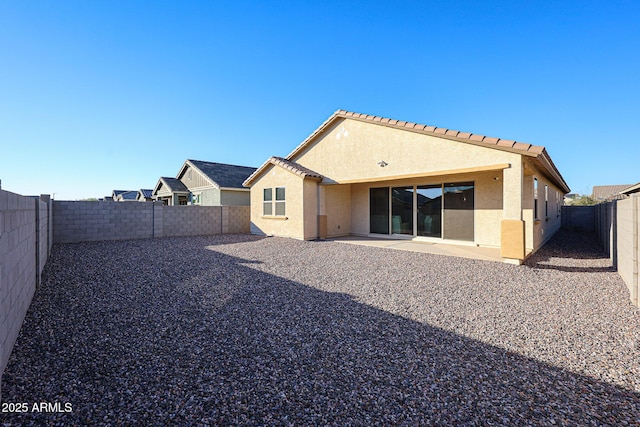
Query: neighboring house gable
<point>206,183</point>
<point>215,184</point>
<point>171,191</point>
<point>373,175</point>
<point>144,195</point>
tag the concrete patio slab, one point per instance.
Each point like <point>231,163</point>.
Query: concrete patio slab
<point>462,251</point>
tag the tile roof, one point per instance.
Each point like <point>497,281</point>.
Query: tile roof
<point>295,168</point>
<point>292,167</point>
<point>436,131</point>
<point>224,175</point>
<point>609,192</point>
<point>535,151</point>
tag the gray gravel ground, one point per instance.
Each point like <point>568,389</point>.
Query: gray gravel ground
<point>240,330</point>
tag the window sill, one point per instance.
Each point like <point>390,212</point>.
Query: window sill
<point>277,217</point>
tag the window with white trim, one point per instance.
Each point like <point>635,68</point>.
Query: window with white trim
<point>280,201</point>
<point>267,201</point>
<point>274,204</point>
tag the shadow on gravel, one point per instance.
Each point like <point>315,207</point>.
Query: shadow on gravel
<point>572,251</point>
<point>198,344</point>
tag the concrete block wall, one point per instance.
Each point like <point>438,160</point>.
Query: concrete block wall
<point>158,219</point>
<point>93,221</point>
<point>578,218</point>
<point>42,236</point>
<point>605,227</point>
<point>236,219</point>
<point>191,220</point>
<point>628,244</point>
<point>617,225</point>
<point>24,249</point>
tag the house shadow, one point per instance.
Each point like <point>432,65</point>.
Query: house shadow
<point>572,251</point>
<point>225,342</point>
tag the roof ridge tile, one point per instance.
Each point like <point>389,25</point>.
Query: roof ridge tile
<point>506,143</point>
<point>491,140</point>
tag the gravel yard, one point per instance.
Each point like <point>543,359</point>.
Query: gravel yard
<point>242,330</point>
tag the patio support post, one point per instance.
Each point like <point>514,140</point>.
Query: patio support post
<point>322,216</point>
<point>512,238</point>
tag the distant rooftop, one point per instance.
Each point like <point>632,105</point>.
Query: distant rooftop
<point>609,192</point>
<point>225,175</point>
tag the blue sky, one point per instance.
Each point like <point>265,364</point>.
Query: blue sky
<point>96,96</point>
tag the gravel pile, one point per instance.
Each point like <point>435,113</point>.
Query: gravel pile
<point>241,330</point>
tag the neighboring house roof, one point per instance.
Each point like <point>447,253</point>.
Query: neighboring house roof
<point>146,193</point>
<point>116,193</point>
<point>537,153</point>
<point>632,189</point>
<point>292,167</point>
<point>609,192</point>
<point>173,184</point>
<point>220,174</point>
<point>128,195</point>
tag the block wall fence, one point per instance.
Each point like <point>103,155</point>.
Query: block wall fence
<point>616,224</point>
<point>92,221</point>
<point>29,226</point>
<point>25,243</point>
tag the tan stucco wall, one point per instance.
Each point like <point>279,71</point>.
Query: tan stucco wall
<point>337,208</point>
<point>540,231</point>
<point>293,225</point>
<point>310,209</point>
<point>351,150</point>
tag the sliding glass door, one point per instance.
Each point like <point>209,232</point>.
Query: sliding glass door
<point>458,211</point>
<point>379,210</point>
<point>402,210</point>
<point>429,207</point>
<point>441,210</point>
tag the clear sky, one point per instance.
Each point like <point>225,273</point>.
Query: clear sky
<point>103,95</point>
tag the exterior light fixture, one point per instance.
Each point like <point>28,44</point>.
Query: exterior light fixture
<point>382,163</point>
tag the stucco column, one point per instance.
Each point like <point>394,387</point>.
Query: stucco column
<point>512,239</point>
<point>322,216</point>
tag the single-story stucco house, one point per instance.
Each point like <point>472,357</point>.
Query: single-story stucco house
<point>205,183</point>
<point>366,175</point>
